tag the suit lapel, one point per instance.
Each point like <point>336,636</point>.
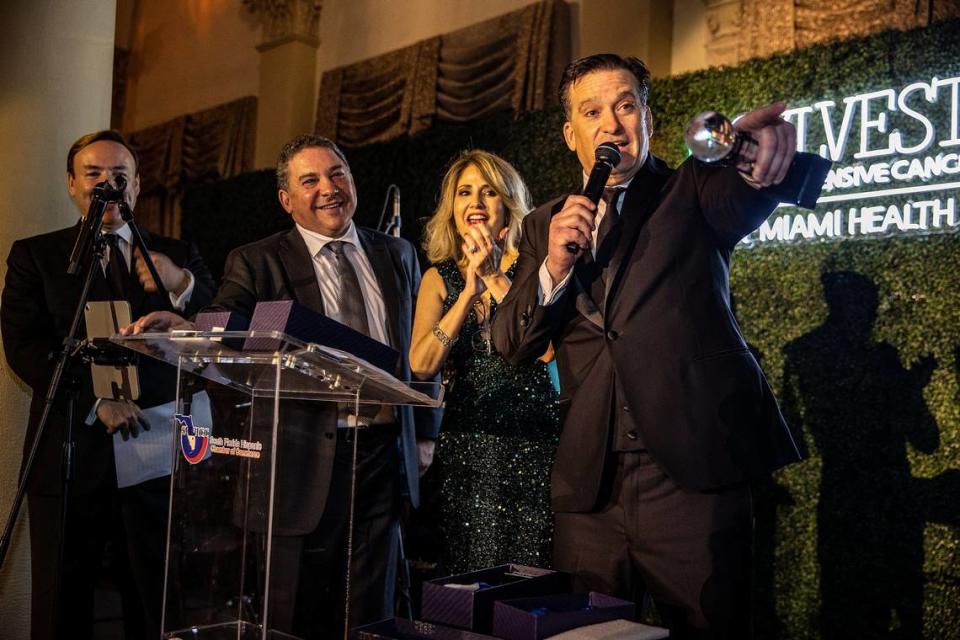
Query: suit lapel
<point>387,273</point>
<point>584,301</point>
<point>301,275</point>
<point>640,201</point>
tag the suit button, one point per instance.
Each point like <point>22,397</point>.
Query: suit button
<point>329,436</point>
<point>626,409</point>
<point>632,435</point>
<point>612,335</point>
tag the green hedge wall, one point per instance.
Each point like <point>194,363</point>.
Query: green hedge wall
<point>860,338</point>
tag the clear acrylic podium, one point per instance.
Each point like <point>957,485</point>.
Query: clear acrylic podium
<point>226,503</point>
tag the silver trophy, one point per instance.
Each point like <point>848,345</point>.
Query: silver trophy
<point>711,138</point>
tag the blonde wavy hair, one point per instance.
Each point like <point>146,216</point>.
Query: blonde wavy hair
<point>441,240</point>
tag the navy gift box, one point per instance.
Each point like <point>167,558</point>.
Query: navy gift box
<point>304,324</point>
<point>542,617</point>
<point>474,609</point>
<point>401,629</point>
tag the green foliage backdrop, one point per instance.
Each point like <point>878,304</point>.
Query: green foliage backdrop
<point>860,540</point>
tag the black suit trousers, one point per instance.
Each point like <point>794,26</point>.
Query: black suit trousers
<point>689,550</point>
<point>130,526</point>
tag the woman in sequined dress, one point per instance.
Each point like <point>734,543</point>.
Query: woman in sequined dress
<point>501,423</point>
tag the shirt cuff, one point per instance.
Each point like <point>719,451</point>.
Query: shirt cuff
<point>92,416</point>
<point>180,302</point>
<point>548,293</point>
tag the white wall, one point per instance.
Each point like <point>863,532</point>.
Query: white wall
<point>56,58</point>
<point>187,55</point>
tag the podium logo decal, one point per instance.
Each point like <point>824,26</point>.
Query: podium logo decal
<point>193,440</point>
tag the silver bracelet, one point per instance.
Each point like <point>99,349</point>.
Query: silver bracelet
<point>444,339</point>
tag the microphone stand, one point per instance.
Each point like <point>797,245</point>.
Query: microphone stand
<point>393,226</point>
<point>127,216</point>
<point>90,244</point>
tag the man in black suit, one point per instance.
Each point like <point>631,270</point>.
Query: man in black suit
<point>369,281</point>
<point>666,415</point>
<point>39,299</point>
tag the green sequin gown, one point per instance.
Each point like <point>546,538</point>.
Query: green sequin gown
<point>496,446</point>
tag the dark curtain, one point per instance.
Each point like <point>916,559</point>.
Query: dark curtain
<point>512,62</point>
<point>199,147</point>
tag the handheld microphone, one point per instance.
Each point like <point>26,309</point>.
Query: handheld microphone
<point>606,157</point>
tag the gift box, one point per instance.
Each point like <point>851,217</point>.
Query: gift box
<point>307,325</point>
<point>470,604</point>
<point>223,321</point>
<point>401,629</point>
<point>544,616</point>
<point>614,630</point>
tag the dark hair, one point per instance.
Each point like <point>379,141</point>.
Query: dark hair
<point>107,134</point>
<point>602,62</point>
<point>295,146</point>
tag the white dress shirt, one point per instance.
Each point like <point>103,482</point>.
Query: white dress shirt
<point>325,266</point>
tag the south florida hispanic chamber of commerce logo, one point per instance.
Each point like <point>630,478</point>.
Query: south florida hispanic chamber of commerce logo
<point>194,441</point>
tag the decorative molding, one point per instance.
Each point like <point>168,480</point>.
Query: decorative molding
<point>767,27</point>
<point>284,21</point>
<point>724,31</point>
<point>739,30</point>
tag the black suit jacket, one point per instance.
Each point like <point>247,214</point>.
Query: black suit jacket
<point>280,268</point>
<point>39,299</point>
<point>665,332</point>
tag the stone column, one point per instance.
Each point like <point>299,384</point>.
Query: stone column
<point>288,61</point>
<point>56,60</point>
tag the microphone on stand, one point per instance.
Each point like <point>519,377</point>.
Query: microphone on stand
<point>117,192</point>
<point>606,157</point>
<point>103,194</point>
<point>393,227</point>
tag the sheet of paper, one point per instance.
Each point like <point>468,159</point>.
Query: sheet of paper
<point>150,455</point>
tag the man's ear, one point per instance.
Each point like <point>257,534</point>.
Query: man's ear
<point>136,185</point>
<point>649,118</point>
<point>284,200</point>
<point>71,184</point>
<point>569,137</point>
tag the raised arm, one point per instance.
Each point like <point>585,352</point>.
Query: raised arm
<point>522,327</point>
